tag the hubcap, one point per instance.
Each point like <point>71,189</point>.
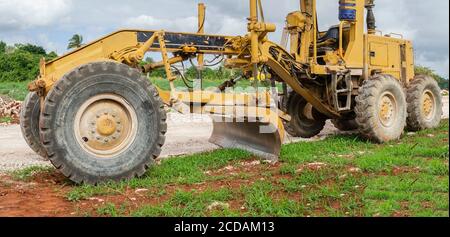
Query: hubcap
<point>428,105</point>
<point>105,125</point>
<point>387,109</point>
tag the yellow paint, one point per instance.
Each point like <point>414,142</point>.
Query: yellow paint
<point>106,125</point>
<point>358,51</point>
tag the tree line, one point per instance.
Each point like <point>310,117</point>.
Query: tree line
<point>20,62</point>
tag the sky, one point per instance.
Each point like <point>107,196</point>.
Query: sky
<point>51,23</point>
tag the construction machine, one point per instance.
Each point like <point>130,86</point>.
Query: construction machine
<point>96,116</point>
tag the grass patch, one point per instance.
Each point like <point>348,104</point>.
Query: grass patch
<point>191,204</point>
<point>180,171</point>
<point>28,173</point>
<point>6,119</point>
<point>111,210</point>
<point>409,177</point>
<point>15,90</point>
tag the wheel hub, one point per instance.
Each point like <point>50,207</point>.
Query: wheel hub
<point>387,113</point>
<point>105,125</point>
<point>428,105</point>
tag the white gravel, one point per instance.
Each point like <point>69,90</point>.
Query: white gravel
<point>187,134</point>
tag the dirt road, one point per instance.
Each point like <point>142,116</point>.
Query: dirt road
<point>186,135</point>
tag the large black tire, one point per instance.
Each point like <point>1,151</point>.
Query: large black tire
<point>300,125</point>
<point>345,125</point>
<point>29,123</point>
<point>381,109</point>
<point>140,105</point>
<point>424,103</point>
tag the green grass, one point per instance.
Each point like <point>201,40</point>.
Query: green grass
<point>19,90</point>
<point>409,177</point>
<point>111,210</point>
<point>15,90</point>
<point>180,171</point>
<point>6,119</point>
<point>28,173</point>
<point>191,204</point>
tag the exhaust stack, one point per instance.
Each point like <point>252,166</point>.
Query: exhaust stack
<point>371,21</point>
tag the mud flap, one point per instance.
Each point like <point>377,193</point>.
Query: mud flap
<point>261,135</point>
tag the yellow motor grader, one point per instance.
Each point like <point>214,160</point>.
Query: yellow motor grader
<point>96,116</point>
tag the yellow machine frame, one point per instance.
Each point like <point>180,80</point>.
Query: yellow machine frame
<point>361,55</point>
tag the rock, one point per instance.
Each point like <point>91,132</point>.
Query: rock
<point>218,205</point>
<point>269,162</point>
<point>316,165</point>
<point>354,170</point>
<point>9,108</point>
<point>96,199</point>
<point>141,190</point>
<point>253,163</point>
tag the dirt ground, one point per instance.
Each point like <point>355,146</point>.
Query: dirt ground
<point>45,194</point>
<point>186,135</point>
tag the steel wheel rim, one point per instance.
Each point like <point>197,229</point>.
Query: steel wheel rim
<point>428,105</point>
<point>105,125</point>
<point>387,110</point>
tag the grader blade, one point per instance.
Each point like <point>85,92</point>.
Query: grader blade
<point>247,136</point>
<point>262,136</point>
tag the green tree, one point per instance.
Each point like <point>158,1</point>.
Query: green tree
<point>149,60</point>
<point>52,55</point>
<point>75,42</point>
<point>21,62</point>
<point>33,49</point>
<point>2,47</point>
<point>421,70</point>
<point>19,66</point>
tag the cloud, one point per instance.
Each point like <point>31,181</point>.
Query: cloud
<point>174,24</point>
<point>424,22</point>
<point>24,14</point>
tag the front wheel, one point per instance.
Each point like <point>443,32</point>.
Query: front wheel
<point>301,125</point>
<point>103,122</point>
<point>381,109</point>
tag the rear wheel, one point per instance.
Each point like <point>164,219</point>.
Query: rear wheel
<point>301,125</point>
<point>381,109</point>
<point>29,123</point>
<point>424,103</point>
<point>103,121</point>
